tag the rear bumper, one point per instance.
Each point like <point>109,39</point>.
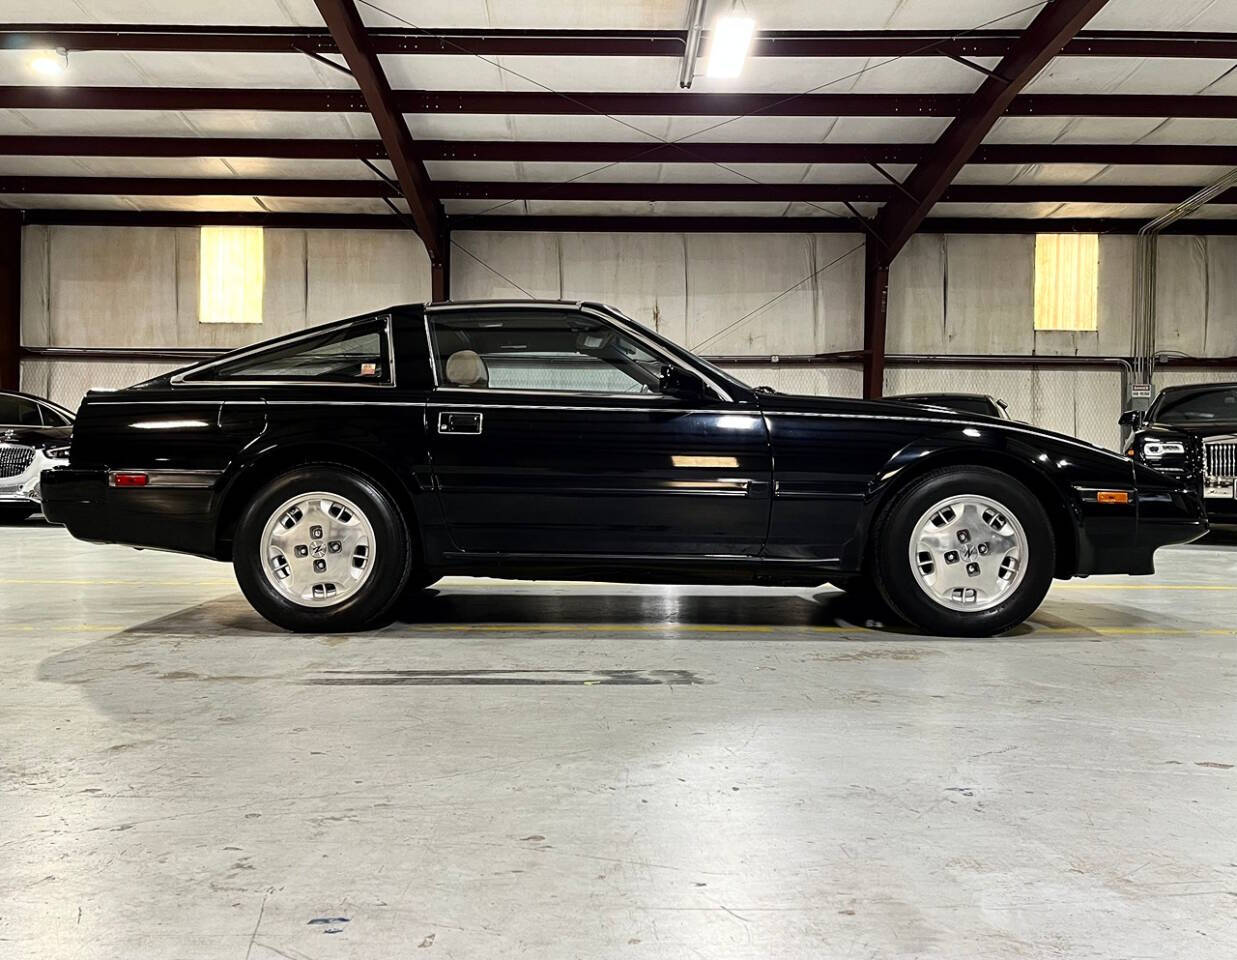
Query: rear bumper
<point>176,518</point>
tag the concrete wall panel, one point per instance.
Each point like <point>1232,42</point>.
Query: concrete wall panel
<point>1181,294</point>
<point>138,287</point>
<point>990,294</point>
<point>916,319</point>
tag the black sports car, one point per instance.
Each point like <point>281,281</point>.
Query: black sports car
<point>1191,433</point>
<point>975,403</point>
<point>338,467</point>
<point>34,435</point>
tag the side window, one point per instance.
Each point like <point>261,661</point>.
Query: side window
<point>53,418</point>
<point>18,411</point>
<point>543,351</point>
<point>352,354</point>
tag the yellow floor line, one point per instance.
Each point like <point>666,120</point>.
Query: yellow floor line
<point>229,581</point>
<point>1143,586</point>
<point>91,582</point>
<point>671,628</point>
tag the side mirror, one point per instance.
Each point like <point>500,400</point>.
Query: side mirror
<point>676,382</point>
<point>1131,418</point>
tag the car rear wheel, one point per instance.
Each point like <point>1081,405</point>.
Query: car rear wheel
<point>322,549</point>
<point>965,551</point>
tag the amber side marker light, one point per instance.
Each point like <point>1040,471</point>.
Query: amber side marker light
<point>129,479</point>
<point>1112,496</point>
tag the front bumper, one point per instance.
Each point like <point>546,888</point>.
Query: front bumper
<point>25,489</point>
<point>1123,539</point>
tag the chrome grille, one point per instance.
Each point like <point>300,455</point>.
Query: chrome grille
<point>14,459</point>
<point>1221,458</point>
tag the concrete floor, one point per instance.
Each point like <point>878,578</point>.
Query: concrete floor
<point>600,771</point>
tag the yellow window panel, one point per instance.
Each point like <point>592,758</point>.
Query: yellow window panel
<point>231,275</point>
<point>1067,279</point>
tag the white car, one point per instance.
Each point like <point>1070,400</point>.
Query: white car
<point>34,436</point>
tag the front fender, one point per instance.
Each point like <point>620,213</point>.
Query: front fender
<point>1064,474</point>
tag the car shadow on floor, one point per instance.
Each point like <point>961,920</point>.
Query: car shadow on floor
<point>223,641</point>
<point>481,610</point>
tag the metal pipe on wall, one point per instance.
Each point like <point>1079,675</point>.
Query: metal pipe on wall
<point>695,27</point>
<point>1142,339</point>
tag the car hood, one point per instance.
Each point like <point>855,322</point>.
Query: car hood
<point>1213,428</point>
<point>799,403</point>
<point>36,436</point>
<point>841,406</point>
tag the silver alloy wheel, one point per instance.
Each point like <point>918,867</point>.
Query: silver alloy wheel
<point>317,549</point>
<point>968,552</point>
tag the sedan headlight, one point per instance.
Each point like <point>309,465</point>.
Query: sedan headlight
<point>1159,449</point>
<point>58,453</point>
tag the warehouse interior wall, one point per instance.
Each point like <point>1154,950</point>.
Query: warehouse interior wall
<point>137,287</point>
<point>732,295</point>
<point>949,294</point>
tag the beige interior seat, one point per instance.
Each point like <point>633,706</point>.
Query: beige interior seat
<point>465,368</point>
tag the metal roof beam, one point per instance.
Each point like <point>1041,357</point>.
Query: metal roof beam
<point>602,224</point>
<point>1053,27</point>
<point>621,151</point>
<point>350,36</point>
<point>595,191</point>
<point>601,43</point>
<point>196,187</point>
<point>455,102</point>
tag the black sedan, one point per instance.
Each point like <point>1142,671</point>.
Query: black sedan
<point>1190,432</point>
<point>339,467</point>
<point>34,436</point>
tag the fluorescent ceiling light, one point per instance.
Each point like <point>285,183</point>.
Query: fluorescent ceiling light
<point>50,63</point>
<point>732,37</point>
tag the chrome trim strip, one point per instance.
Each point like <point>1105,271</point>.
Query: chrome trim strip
<point>747,558</point>
<point>568,409</point>
<point>261,403</point>
<point>178,479</point>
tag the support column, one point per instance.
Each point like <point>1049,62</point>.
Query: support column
<point>10,299</point>
<point>875,309</point>
<point>440,269</point>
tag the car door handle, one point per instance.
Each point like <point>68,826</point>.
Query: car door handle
<point>464,423</point>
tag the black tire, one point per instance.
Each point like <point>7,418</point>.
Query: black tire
<point>15,514</point>
<point>899,583</point>
<point>392,552</point>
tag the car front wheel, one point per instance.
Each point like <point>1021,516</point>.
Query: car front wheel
<point>322,549</point>
<point>965,551</point>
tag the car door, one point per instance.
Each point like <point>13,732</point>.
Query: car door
<point>550,436</point>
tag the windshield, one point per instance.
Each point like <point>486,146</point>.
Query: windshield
<point>1214,405</point>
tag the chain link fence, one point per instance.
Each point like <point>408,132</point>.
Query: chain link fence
<point>66,381</point>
